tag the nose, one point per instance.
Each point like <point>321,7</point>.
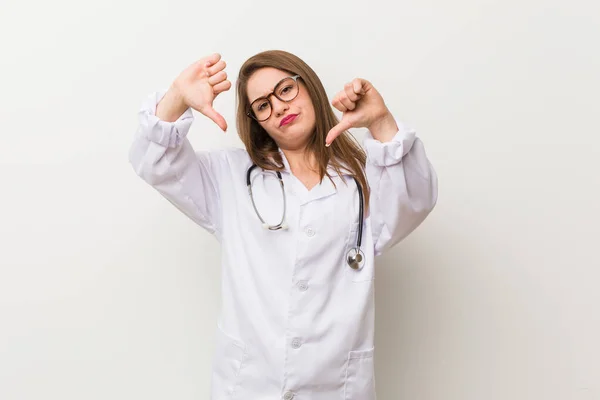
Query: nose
<point>279,107</point>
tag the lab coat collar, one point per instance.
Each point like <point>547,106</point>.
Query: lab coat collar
<point>319,191</point>
<point>330,169</point>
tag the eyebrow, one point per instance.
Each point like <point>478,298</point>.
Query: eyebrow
<point>263,96</point>
<point>259,97</point>
<point>274,86</point>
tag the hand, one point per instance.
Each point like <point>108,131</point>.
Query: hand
<point>361,105</point>
<point>200,83</point>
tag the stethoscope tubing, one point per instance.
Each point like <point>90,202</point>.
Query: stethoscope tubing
<point>281,225</point>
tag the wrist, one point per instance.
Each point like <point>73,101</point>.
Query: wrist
<point>171,106</point>
<point>384,128</point>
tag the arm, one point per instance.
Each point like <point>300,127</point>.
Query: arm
<point>163,157</point>
<point>403,182</point>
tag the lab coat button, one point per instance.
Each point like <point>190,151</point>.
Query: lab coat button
<point>296,343</point>
<point>288,396</point>
<point>303,285</point>
<point>310,232</point>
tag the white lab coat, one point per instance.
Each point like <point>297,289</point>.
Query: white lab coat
<point>296,321</point>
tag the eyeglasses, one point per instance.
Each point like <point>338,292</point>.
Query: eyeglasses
<point>285,90</point>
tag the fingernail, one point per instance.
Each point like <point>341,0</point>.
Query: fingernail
<point>327,144</point>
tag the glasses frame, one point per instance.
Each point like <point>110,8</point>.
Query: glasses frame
<point>267,97</point>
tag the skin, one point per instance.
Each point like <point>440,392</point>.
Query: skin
<point>363,106</point>
<point>292,137</point>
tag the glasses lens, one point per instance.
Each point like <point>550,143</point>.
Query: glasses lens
<point>261,109</point>
<point>287,89</point>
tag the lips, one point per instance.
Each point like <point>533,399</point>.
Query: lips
<point>288,119</point>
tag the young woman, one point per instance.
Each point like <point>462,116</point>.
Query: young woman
<point>300,214</point>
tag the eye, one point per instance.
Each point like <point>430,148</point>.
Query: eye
<point>286,89</point>
<point>262,106</point>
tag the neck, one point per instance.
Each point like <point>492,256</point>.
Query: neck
<point>300,160</point>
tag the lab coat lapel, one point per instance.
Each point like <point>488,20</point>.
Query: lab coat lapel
<point>324,189</point>
<point>320,191</point>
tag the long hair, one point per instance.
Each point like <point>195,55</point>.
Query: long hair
<point>344,153</point>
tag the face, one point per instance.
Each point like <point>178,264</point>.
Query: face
<point>289,134</point>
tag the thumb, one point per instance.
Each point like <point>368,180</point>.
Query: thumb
<point>337,130</point>
<point>215,116</point>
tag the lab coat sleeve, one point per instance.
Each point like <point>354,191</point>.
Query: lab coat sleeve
<point>162,156</point>
<point>403,186</point>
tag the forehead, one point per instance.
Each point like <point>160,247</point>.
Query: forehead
<point>263,81</point>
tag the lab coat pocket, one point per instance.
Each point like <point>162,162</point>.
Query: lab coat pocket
<point>365,273</point>
<point>360,375</point>
<point>229,360</point>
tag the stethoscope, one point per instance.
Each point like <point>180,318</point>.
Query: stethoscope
<point>354,257</point>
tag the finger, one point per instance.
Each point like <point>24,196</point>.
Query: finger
<point>338,104</point>
<point>217,78</point>
<point>221,87</point>
<point>351,93</point>
<point>212,59</point>
<point>219,66</point>
<point>208,62</point>
<point>216,117</point>
<point>201,65</point>
<point>350,105</point>
<point>337,130</point>
<point>359,86</point>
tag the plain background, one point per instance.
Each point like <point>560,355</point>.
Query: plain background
<point>108,292</point>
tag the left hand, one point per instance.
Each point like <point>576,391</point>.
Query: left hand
<point>361,105</point>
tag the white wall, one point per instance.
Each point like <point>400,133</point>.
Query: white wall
<point>108,292</point>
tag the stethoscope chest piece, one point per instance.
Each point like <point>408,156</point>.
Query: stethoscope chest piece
<point>355,258</point>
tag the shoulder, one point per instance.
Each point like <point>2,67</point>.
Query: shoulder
<point>229,159</point>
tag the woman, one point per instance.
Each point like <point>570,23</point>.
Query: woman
<point>300,213</point>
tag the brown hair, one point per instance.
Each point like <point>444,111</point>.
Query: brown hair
<point>344,153</point>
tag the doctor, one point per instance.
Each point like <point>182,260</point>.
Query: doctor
<point>300,214</point>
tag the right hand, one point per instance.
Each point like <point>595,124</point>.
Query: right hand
<point>200,83</point>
